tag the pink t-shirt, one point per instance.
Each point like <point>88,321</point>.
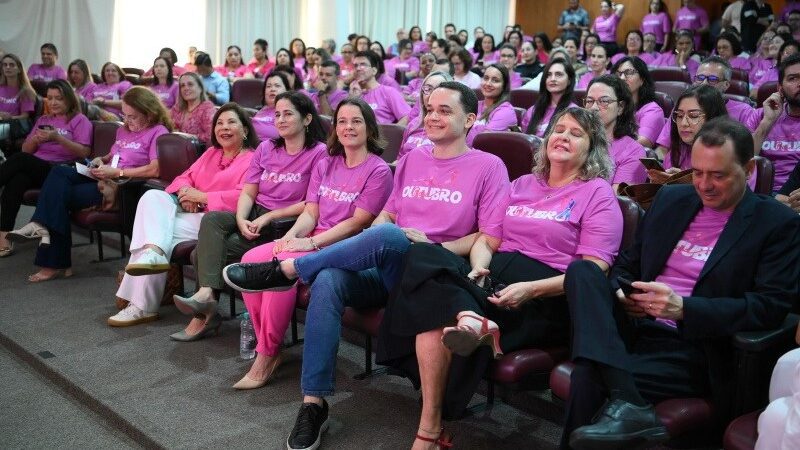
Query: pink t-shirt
<point>556,226</point>
<point>737,62</point>
<point>692,19</point>
<point>606,27</point>
<point>86,90</point>
<point>79,129</point>
<point>658,24</point>
<point>137,149</point>
<point>408,65</point>
<point>420,47</point>
<point>490,58</point>
<point>222,186</point>
<point>388,103</point>
<point>339,190</point>
<point>759,67</point>
<point>691,253</point>
<point>229,73</point>
<point>650,118</point>
<point>465,192</point>
<point>544,123</point>
<point>262,71</point>
<point>282,178</point>
<point>471,79</point>
<point>584,80</point>
<point>167,94</point>
<point>388,81</point>
<point>197,122</point>
<point>10,101</point>
<point>648,58</point>
<point>111,92</point>
<point>414,137</point>
<point>334,98</point>
<point>264,123</point>
<point>767,76</point>
<point>625,152</point>
<point>516,79</point>
<point>782,146</point>
<point>413,87</point>
<point>500,119</point>
<point>670,60</point>
<point>743,112</point>
<point>48,74</point>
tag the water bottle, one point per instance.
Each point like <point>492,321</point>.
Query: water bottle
<point>247,338</point>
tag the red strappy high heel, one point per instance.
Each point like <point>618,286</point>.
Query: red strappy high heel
<point>445,440</point>
<point>463,340</point>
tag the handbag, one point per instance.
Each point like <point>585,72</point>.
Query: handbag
<point>644,193</point>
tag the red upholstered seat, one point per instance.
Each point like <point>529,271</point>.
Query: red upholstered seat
<point>248,92</point>
<point>182,252</point>
<point>393,133</point>
<point>742,432</point>
<point>738,87</point>
<point>765,178</point>
<point>515,149</point>
<point>670,74</point>
<point>666,102</point>
<point>672,88</point>
<point>765,90</point>
<point>523,98</point>
<point>741,75</point>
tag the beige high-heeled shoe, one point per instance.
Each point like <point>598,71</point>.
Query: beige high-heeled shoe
<point>249,383</point>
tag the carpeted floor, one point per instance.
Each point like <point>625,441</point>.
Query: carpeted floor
<point>162,393</point>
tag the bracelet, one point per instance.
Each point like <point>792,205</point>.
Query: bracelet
<point>314,244</point>
<point>121,173</point>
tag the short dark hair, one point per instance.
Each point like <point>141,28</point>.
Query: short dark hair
<point>202,59</point>
<point>172,55</point>
<point>467,97</point>
<point>626,122</point>
<point>720,61</point>
<point>736,43</point>
<point>791,43</point>
<point>334,64</point>
<point>443,44</point>
<point>451,69</point>
<point>251,140</point>
<point>272,74</point>
<point>716,131</point>
<point>371,56</point>
<point>49,46</point>
<point>70,98</point>
<point>314,132</point>
<point>647,92</point>
<point>509,47</point>
<point>403,43</point>
<point>449,25</point>
<point>261,43</point>
<point>789,61</point>
<point>375,141</point>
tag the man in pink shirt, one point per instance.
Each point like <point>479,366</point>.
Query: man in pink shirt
<point>48,70</point>
<point>708,261</point>
<point>387,102</point>
<point>465,187</point>
<point>328,95</point>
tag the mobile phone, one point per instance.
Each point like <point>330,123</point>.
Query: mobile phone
<point>651,163</point>
<point>45,127</point>
<point>627,286</point>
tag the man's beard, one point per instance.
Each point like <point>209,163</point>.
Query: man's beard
<point>791,101</point>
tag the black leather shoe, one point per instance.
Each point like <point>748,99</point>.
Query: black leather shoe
<point>620,425</point>
<point>312,421</point>
<point>257,277</point>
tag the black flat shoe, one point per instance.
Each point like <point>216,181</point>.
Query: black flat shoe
<point>257,277</point>
<point>620,425</point>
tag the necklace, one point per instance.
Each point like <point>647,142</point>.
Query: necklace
<point>222,164</point>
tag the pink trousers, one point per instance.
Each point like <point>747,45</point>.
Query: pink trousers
<point>270,311</point>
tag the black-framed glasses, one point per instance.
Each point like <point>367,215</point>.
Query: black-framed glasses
<point>626,73</point>
<point>602,102</point>
<point>710,79</point>
<point>694,116</point>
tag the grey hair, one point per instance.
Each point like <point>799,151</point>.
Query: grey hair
<point>598,162</point>
<point>558,50</point>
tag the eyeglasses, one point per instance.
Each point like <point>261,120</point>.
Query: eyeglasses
<point>427,89</point>
<point>626,73</point>
<point>711,79</point>
<point>506,55</point>
<point>693,117</point>
<point>362,65</point>
<point>602,102</point>
<point>344,52</point>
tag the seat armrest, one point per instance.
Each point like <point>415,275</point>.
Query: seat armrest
<point>280,226</point>
<point>155,183</point>
<point>756,341</point>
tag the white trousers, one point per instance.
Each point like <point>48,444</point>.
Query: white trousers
<point>159,222</point>
<point>779,424</point>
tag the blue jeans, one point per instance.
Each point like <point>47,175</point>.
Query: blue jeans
<point>356,272</point>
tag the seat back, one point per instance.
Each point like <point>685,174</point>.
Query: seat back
<point>97,78</point>
<point>519,112</point>
<point>523,98</point>
<point>765,90</point>
<point>176,152</point>
<point>133,70</point>
<point>740,75</point>
<point>327,123</point>
<point>479,93</point>
<point>248,92</point>
<point>738,87</point>
<point>740,98</point>
<point>666,103</point>
<point>515,149</point>
<point>765,176</point>
<point>673,88</point>
<point>670,74</point>
<point>632,214</point>
<point>393,133</point>
<point>578,96</point>
<point>40,86</point>
<point>104,134</point>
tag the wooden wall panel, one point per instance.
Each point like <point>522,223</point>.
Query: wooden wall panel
<point>542,15</point>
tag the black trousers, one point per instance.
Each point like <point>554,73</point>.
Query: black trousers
<point>22,171</point>
<point>662,363</point>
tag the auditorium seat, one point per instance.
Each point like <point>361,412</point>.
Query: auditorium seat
<point>248,92</point>
<point>327,123</point>
<point>478,93</point>
<point>670,74</point>
<point>516,150</point>
<point>742,432</point>
<point>666,103</point>
<point>578,96</point>
<point>765,90</point>
<point>738,87</point>
<point>673,88</point>
<point>740,98</point>
<point>40,86</point>
<point>740,75</point>
<point>528,369</point>
<point>393,133</point>
<point>133,70</point>
<point>519,112</point>
<point>523,98</point>
<point>765,175</point>
<point>176,152</point>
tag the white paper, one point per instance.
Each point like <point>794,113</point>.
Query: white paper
<point>115,161</point>
<point>84,170</point>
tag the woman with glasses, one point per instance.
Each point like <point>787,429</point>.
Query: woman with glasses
<point>508,59</point>
<point>729,47</point>
<point>555,95</point>
<point>405,62</point>
<point>611,98</point>
<point>648,114</point>
<point>462,63</point>
<point>414,136</point>
<point>347,69</point>
<point>495,112</point>
<point>634,46</point>
<point>694,107</point>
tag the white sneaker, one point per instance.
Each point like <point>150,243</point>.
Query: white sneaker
<point>131,315</point>
<point>147,262</point>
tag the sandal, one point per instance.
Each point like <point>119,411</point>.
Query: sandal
<point>60,273</point>
<point>7,251</point>
<point>29,232</point>
<point>444,440</point>
<point>463,340</point>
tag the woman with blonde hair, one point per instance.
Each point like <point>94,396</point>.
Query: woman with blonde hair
<point>17,98</point>
<point>193,112</point>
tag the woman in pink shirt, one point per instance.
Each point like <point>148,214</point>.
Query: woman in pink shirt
<point>648,113</point>
<point>555,95</point>
<point>274,188</point>
<point>264,121</point>
<point>284,59</point>
<point>59,137</point>
<point>658,23</point>
<point>634,46</point>
<point>80,77</point>
<point>768,69</point>
<point>17,97</point>
<point>598,65</point>
<point>728,48</point>
<point>348,70</point>
<point>405,62</point>
<point>462,63</point>
<point>133,155</point>
<point>166,218</point>
<point>164,84</point>
<point>542,44</point>
<point>108,94</point>
<point>260,65</point>
<point>488,54</point>
<point>514,283</point>
<point>693,18</point>
<point>297,49</point>
<point>233,67</point>
<point>495,112</point>
<point>414,136</point>
<point>508,59</point>
<point>193,112</point>
<point>611,99</point>
<point>605,25</point>
<point>347,191</point>
<point>415,35</point>
<point>683,56</point>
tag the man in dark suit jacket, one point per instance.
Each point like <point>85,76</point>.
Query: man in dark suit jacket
<point>708,261</point>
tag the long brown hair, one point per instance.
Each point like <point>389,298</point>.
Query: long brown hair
<point>146,102</point>
<point>25,88</point>
<point>375,142</point>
